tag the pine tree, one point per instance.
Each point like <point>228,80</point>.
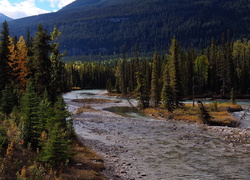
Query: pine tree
<point>8,100</point>
<point>232,100</point>
<point>223,67</point>
<point>155,89</point>
<point>60,115</point>
<point>175,79</point>
<point>58,78</point>
<point>167,97</point>
<point>30,122</point>
<point>29,43</point>
<point>142,90</point>
<point>42,61</point>
<point>201,66</point>
<point>5,69</point>
<point>57,149</point>
<point>109,85</point>
<point>45,112</point>
<point>123,74</point>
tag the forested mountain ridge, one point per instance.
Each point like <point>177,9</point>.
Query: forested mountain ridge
<point>103,26</point>
<point>3,18</point>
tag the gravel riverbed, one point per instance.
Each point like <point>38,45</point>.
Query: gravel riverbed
<point>145,148</point>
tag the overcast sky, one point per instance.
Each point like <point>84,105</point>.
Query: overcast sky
<point>21,8</point>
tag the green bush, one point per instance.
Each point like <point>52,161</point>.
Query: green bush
<point>3,139</point>
<point>214,106</point>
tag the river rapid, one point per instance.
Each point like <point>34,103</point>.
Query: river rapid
<point>138,147</point>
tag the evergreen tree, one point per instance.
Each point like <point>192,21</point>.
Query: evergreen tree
<point>5,69</point>
<point>30,121</point>
<point>8,100</point>
<point>167,97</point>
<point>175,79</point>
<point>232,100</point>
<point>109,85</point>
<point>45,112</point>
<point>123,74</point>
<point>223,67</point>
<point>142,90</point>
<point>58,78</point>
<point>29,43</point>
<point>201,66</point>
<point>57,149</point>
<point>42,61</point>
<point>155,88</point>
<point>212,71</point>
<point>60,115</point>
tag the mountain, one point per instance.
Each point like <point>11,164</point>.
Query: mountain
<point>103,26</point>
<point>3,18</point>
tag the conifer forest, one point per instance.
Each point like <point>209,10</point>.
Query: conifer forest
<point>34,120</point>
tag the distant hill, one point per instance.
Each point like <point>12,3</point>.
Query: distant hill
<point>103,26</point>
<point>3,18</point>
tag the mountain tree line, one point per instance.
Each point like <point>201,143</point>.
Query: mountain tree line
<point>102,28</point>
<point>32,80</point>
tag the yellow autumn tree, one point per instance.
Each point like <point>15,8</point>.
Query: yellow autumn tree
<point>18,62</point>
<point>22,63</point>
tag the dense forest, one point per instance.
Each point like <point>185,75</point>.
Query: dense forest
<point>35,130</point>
<point>102,27</point>
<point>33,116</point>
<point>210,72</point>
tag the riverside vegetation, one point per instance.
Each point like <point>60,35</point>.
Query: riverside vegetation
<point>37,138</point>
<point>219,71</point>
<point>34,120</point>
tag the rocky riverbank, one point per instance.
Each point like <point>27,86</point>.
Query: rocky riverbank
<point>162,149</point>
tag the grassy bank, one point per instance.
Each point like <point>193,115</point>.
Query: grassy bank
<point>220,115</point>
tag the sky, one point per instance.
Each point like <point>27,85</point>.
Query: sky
<point>22,8</point>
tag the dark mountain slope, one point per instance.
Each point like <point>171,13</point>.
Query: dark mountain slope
<point>3,18</point>
<point>103,26</point>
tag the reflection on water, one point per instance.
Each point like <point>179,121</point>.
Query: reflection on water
<point>99,93</point>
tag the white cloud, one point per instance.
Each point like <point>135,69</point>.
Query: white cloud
<point>64,3</point>
<point>28,7</point>
<point>58,3</point>
<point>23,9</point>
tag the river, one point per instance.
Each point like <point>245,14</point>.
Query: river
<point>137,147</point>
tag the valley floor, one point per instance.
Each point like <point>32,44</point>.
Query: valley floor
<point>145,148</point>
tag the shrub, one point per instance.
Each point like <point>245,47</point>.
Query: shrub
<point>214,106</point>
<point>3,138</point>
<point>57,149</point>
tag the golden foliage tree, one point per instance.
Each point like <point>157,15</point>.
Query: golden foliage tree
<point>18,62</point>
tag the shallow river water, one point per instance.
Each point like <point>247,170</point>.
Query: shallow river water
<point>136,147</point>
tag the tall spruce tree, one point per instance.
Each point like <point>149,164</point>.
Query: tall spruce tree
<point>175,79</point>
<point>42,61</point>
<point>142,90</point>
<point>123,74</point>
<point>58,79</point>
<point>223,67</point>
<point>5,69</point>
<point>155,88</point>
<point>30,121</point>
<point>167,97</point>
